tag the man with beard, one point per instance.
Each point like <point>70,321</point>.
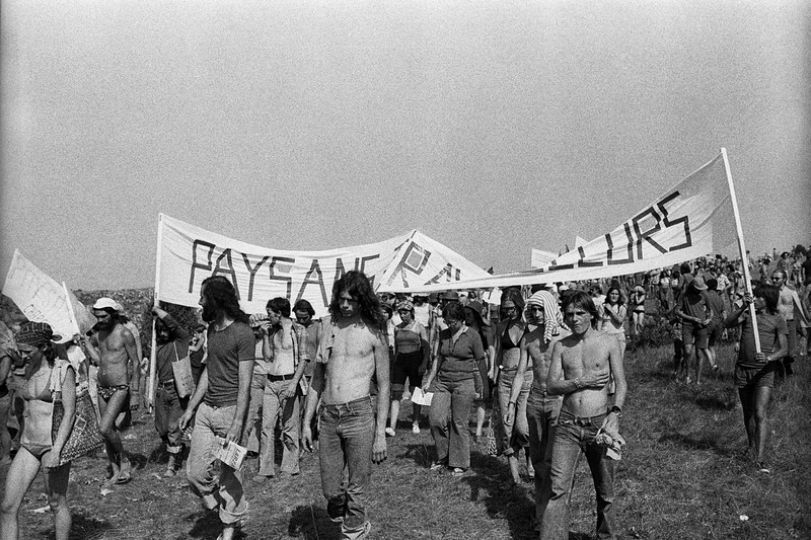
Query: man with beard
<point>542,333</point>
<point>172,344</point>
<point>352,351</point>
<point>222,394</point>
<point>113,349</point>
<point>582,364</point>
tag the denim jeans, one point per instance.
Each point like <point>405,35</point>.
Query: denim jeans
<point>574,435</point>
<point>202,465</point>
<point>449,417</point>
<point>346,435</point>
<point>274,406</point>
<point>519,430</point>
<point>253,419</point>
<point>542,414</point>
<point>168,410</point>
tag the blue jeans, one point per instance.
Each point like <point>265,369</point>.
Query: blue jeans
<point>202,465</point>
<point>449,417</point>
<point>574,435</point>
<point>542,414</point>
<point>346,435</point>
<point>287,410</point>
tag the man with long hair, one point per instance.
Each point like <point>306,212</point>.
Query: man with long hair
<point>352,351</point>
<point>113,348</point>
<point>222,394</point>
<point>582,364</point>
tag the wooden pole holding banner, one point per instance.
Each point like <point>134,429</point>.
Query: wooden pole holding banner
<point>741,247</point>
<point>150,392</point>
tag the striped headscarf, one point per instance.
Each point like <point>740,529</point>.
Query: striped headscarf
<point>553,318</point>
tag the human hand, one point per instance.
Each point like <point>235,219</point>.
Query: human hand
<point>51,459</point>
<point>307,438</point>
<point>233,433</point>
<point>748,299</point>
<point>509,416</point>
<point>597,382</point>
<point>760,357</point>
<point>184,420</point>
<point>379,449</point>
<point>290,391</point>
<point>611,424</point>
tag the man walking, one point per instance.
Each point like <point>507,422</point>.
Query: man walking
<point>352,351</point>
<point>222,393</point>
<point>582,364</point>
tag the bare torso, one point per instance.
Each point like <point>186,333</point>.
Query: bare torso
<point>352,361</point>
<point>582,359</point>
<point>540,354</point>
<point>114,358</point>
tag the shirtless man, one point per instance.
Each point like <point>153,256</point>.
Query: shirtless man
<point>543,332</point>
<point>581,367</point>
<point>113,349</point>
<point>353,349</point>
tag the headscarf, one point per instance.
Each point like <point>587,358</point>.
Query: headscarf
<point>405,305</point>
<point>36,333</point>
<point>553,318</point>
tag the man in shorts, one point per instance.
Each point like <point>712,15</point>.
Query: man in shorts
<point>754,371</point>
<point>788,306</point>
<point>113,349</point>
<point>696,314</point>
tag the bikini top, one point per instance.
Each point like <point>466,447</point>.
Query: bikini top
<point>506,339</point>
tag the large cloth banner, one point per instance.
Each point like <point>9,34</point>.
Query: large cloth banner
<point>692,219</point>
<point>541,259</point>
<point>42,299</point>
<point>188,254</point>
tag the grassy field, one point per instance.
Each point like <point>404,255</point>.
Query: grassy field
<point>682,477</point>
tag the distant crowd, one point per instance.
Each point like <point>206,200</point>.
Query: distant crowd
<point>541,369</point>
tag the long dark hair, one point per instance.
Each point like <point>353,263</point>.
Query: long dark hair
<point>220,291</point>
<point>357,285</point>
<point>582,300</point>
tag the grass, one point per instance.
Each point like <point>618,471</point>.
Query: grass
<point>681,477</point>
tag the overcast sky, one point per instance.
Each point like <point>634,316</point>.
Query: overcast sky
<point>493,127</point>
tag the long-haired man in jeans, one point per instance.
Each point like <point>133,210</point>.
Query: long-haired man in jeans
<point>353,349</point>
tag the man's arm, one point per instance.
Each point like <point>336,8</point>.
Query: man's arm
<point>133,368</point>
<point>615,361</point>
<point>425,348</point>
<point>381,353</point>
<point>311,403</point>
<point>194,401</point>
<point>243,396</point>
<point>518,381</point>
<point>297,337</point>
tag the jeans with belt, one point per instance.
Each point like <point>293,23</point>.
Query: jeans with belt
<point>542,414</point>
<point>450,412</point>
<point>225,492</point>
<point>345,440</point>
<point>516,435</point>
<point>574,435</point>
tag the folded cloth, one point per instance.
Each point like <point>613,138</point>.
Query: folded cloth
<point>612,441</point>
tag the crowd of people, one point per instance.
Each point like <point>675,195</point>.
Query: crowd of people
<point>547,363</point>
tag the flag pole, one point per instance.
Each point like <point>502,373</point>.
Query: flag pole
<point>153,352</point>
<point>747,280</point>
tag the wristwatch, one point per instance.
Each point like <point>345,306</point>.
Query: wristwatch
<point>615,409</point>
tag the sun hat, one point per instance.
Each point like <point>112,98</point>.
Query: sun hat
<point>698,283</point>
<point>107,303</point>
<point>36,333</point>
<point>451,296</point>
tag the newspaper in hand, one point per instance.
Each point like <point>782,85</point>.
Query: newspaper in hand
<point>230,453</point>
<point>419,397</point>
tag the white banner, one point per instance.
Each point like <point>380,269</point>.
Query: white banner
<point>541,259</point>
<point>690,220</point>
<point>39,297</point>
<point>188,254</point>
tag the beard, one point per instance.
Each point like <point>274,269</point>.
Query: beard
<point>209,313</point>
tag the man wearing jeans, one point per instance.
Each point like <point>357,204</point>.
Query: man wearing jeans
<point>582,365</point>
<point>224,390</point>
<point>352,351</point>
<point>543,331</point>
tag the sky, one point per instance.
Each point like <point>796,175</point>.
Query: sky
<point>493,127</point>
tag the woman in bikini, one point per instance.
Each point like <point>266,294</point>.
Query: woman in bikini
<point>513,437</point>
<point>38,448</point>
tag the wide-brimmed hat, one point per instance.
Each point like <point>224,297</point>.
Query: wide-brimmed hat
<point>477,308</point>
<point>36,333</point>
<point>451,296</point>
